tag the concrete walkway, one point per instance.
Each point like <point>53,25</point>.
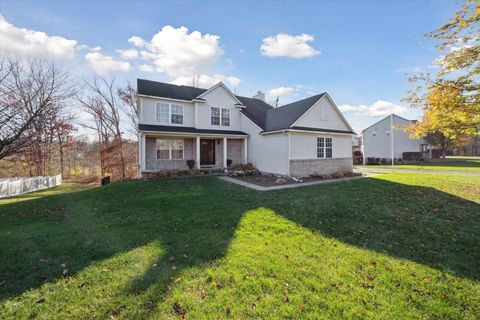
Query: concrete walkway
<point>287,186</point>
<point>385,170</point>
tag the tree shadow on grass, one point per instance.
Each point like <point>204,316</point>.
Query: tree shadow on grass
<point>194,221</point>
<point>191,219</point>
<point>416,223</point>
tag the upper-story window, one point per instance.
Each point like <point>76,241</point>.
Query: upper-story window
<point>324,147</point>
<point>225,117</point>
<point>177,113</point>
<point>215,116</point>
<point>163,112</point>
<point>220,116</point>
<point>169,113</point>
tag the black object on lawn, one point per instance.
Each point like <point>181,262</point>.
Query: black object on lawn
<point>105,181</point>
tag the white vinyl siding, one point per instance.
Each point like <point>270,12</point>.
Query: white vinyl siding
<point>322,115</point>
<point>305,146</point>
<point>268,153</point>
<point>169,149</point>
<point>218,98</point>
<point>377,139</point>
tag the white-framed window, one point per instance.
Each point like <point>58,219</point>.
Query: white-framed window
<point>176,113</point>
<point>220,116</point>
<point>163,112</point>
<point>169,149</point>
<point>324,147</point>
<point>225,117</point>
<point>169,113</point>
<point>215,116</point>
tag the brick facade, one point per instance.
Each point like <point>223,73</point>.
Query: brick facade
<point>234,152</point>
<point>153,164</point>
<point>308,167</point>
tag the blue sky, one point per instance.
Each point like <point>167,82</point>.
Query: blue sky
<point>357,51</point>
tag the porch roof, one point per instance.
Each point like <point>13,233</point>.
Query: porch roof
<point>186,130</point>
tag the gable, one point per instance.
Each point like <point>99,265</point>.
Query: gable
<point>323,115</point>
<point>219,96</point>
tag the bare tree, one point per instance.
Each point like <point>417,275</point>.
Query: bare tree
<point>128,96</point>
<point>30,92</point>
<point>101,102</point>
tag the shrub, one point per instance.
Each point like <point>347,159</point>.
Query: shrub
<point>377,160</point>
<point>191,164</point>
<point>385,161</point>
<point>417,156</point>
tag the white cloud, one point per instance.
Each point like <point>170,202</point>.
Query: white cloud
<point>146,68</point>
<point>35,42</point>
<point>137,41</point>
<point>285,45</point>
<point>377,109</point>
<point>103,64</point>
<point>128,54</point>
<point>179,53</point>
<point>206,81</point>
<point>280,91</point>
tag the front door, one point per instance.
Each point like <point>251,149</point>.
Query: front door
<point>207,152</point>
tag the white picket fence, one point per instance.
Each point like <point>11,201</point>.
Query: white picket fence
<point>15,186</point>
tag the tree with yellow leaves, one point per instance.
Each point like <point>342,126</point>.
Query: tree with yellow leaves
<point>451,99</point>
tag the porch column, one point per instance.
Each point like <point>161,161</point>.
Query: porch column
<point>197,153</point>
<point>143,150</point>
<point>225,152</point>
<point>245,150</point>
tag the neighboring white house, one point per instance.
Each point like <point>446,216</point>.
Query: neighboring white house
<point>377,139</point>
<point>209,126</point>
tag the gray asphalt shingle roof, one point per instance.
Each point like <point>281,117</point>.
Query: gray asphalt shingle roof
<point>260,112</point>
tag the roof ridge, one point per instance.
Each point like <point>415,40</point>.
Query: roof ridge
<point>294,102</point>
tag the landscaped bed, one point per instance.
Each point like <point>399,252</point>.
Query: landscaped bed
<point>393,246</point>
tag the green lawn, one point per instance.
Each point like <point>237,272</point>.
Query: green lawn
<point>453,164</point>
<point>396,246</point>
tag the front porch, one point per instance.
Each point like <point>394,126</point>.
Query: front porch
<point>167,152</point>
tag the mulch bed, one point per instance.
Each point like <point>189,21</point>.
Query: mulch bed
<point>265,180</point>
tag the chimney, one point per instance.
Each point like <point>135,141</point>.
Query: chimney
<point>260,95</point>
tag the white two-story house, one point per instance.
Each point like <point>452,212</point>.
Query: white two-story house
<point>211,126</point>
